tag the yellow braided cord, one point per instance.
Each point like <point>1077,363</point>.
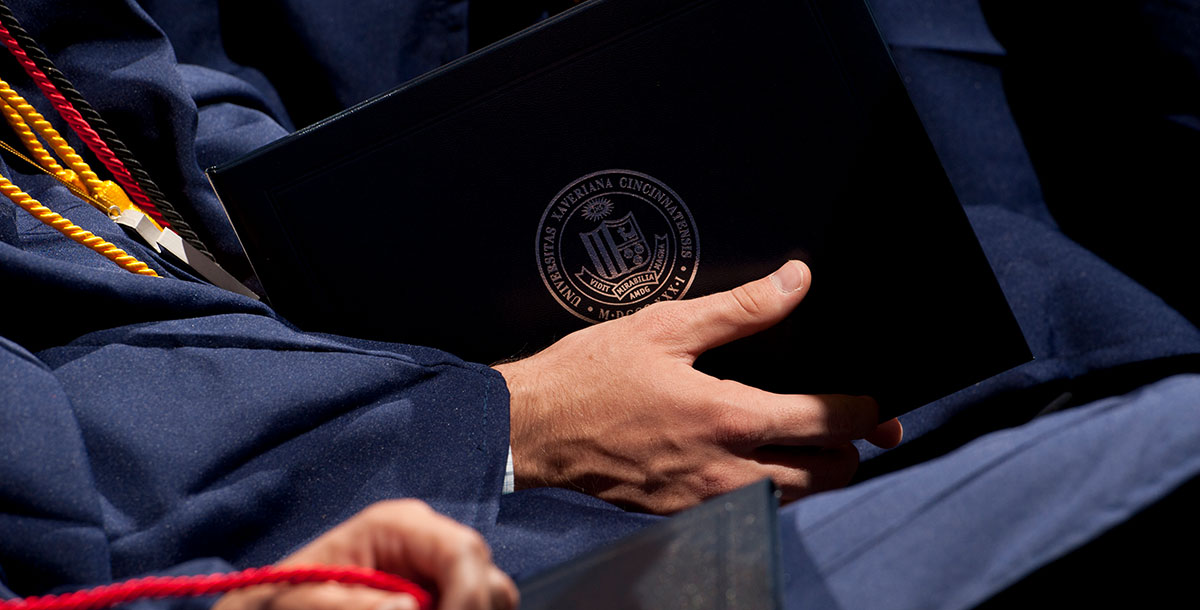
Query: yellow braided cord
<point>70,229</point>
<point>32,144</point>
<point>56,141</point>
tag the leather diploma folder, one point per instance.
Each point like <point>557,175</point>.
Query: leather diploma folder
<point>626,152</point>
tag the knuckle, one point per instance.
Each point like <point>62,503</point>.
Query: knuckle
<point>826,418</point>
<point>470,544</point>
<point>664,323</point>
<point>855,417</point>
<point>732,425</point>
<point>835,419</point>
<point>389,509</point>
<point>660,319</point>
<point>388,515</point>
<point>722,478</point>
<point>748,302</point>
<point>863,412</point>
<point>870,414</point>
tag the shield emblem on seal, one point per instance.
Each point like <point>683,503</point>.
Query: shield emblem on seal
<point>616,247</point>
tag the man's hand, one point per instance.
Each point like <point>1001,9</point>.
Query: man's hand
<point>616,410</point>
<point>403,537</point>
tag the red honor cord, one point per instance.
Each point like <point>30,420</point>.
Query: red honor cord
<point>81,127</point>
<point>157,587</point>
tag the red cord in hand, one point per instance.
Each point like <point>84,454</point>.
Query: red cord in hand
<point>156,587</point>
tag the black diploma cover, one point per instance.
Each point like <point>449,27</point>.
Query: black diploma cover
<point>631,151</point>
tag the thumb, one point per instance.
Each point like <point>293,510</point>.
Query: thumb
<point>719,318</point>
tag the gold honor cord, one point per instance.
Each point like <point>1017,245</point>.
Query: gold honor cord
<point>75,187</point>
<point>47,131</point>
<point>107,191</point>
<point>45,160</point>
<point>73,231</point>
<point>105,195</point>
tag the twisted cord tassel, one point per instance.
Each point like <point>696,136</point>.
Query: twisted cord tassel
<point>73,231</point>
<point>173,218</point>
<point>81,127</point>
<point>56,141</point>
<point>123,154</point>
<point>35,148</point>
<point>155,587</point>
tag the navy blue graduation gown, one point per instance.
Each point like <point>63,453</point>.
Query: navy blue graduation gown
<point>164,425</point>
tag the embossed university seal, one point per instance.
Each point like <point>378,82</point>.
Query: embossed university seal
<point>615,241</point>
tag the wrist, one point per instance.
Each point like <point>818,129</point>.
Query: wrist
<point>520,425</point>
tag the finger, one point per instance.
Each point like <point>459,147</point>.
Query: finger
<point>748,417</point>
<point>796,471</point>
<point>887,435</point>
<point>412,538</point>
<point>330,596</point>
<point>803,471</point>
<point>719,318</point>
<point>339,597</point>
<point>467,583</point>
<point>503,591</point>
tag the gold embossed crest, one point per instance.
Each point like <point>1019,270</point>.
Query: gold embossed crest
<point>615,241</point>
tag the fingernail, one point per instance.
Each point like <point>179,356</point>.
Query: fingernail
<point>399,602</point>
<point>790,277</point>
